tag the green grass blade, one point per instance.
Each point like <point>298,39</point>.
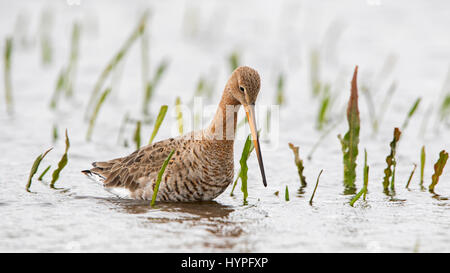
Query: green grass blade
<point>60,83</point>
<point>151,86</point>
<point>286,194</point>
<point>55,133</point>
<point>366,175</point>
<point>438,169</point>
<point>95,113</point>
<point>35,167</point>
<point>422,164</point>
<point>61,164</point>
<point>389,172</point>
<point>244,168</point>
<point>179,115</point>
<point>363,191</point>
<point>315,188</point>
<point>351,138</point>
<point>137,135</point>
<point>125,120</point>
<point>298,163</point>
<point>411,112</point>
<point>7,74</point>
<point>74,52</point>
<point>314,59</point>
<point>280,90</point>
<point>252,147</point>
<point>411,175</point>
<point>159,120</point>
<point>116,59</point>
<point>158,180</point>
<point>357,196</point>
<point>233,61</point>
<point>44,173</point>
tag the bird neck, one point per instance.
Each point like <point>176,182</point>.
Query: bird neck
<point>223,125</point>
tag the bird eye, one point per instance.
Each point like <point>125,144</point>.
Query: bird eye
<point>241,88</point>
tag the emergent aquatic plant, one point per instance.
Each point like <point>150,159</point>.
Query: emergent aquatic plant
<point>389,172</point>
<point>245,155</point>
<point>159,120</point>
<point>363,191</point>
<point>315,188</point>
<point>244,168</point>
<point>298,163</point>
<point>61,164</point>
<point>179,115</point>
<point>351,139</point>
<point>422,165</point>
<point>411,175</point>
<point>137,135</point>
<point>411,112</point>
<point>280,90</point>
<point>158,179</point>
<point>116,59</point>
<point>7,75</point>
<point>438,168</point>
<point>35,167</point>
<point>95,113</point>
<point>152,84</point>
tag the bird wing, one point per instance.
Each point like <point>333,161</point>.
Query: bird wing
<point>137,169</point>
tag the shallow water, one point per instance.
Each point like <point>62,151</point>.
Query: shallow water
<point>274,37</point>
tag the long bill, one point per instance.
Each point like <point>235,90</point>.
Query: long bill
<point>250,111</point>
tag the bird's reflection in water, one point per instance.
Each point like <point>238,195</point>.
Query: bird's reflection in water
<point>211,216</point>
<point>189,210</point>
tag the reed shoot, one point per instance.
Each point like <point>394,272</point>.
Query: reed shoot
<point>144,60</point>
<point>55,133</point>
<point>389,172</point>
<point>314,59</point>
<point>233,61</point>
<point>411,112</point>
<point>73,59</point>
<point>158,179</point>
<point>244,168</point>
<point>411,175</point>
<point>179,115</point>
<point>351,139</point>
<point>286,194</point>
<point>44,173</point>
<point>116,59</point>
<point>252,147</point>
<point>137,135</point>
<point>363,191</point>
<point>315,188</point>
<point>438,169</point>
<point>422,164</point>
<point>159,120</point>
<point>162,67</point>
<point>298,163</point>
<point>125,120</point>
<point>280,90</point>
<point>60,83</point>
<point>95,113</point>
<point>35,167</point>
<point>7,75</point>
<point>61,164</point>
<point>445,108</point>
<point>322,117</point>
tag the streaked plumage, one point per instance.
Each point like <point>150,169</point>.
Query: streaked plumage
<point>202,166</point>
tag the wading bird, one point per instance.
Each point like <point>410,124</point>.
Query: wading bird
<point>202,165</point>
